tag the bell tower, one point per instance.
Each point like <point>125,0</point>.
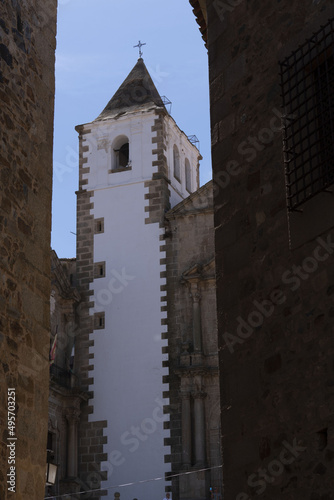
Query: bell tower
<point>135,164</point>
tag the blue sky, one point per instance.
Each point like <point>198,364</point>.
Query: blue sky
<point>94,55</point>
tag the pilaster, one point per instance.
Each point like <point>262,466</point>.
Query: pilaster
<point>72,417</point>
<point>186,423</point>
<point>199,428</point>
<point>195,295</point>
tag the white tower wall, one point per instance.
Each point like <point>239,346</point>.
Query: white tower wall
<point>127,294</point>
<point>128,373</point>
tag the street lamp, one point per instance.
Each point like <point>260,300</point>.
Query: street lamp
<point>51,473</point>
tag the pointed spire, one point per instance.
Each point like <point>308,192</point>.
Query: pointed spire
<point>136,92</point>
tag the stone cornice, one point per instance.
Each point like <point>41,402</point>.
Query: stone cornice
<point>200,272</point>
<point>65,392</point>
<point>197,203</point>
<point>199,10</point>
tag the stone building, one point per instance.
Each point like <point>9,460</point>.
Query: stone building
<point>144,243</point>
<point>65,397</point>
<point>271,89</point>
<point>27,46</point>
<point>192,347</point>
<point>273,253</point>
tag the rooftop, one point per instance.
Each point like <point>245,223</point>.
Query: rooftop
<point>136,92</point>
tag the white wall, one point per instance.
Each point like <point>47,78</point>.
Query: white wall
<point>186,150</point>
<point>138,129</point>
<point>128,352</point>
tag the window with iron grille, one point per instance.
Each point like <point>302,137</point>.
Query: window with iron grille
<point>307,83</point>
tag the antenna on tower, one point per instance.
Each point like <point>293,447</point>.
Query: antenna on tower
<point>194,140</point>
<point>140,45</point>
<point>167,103</point>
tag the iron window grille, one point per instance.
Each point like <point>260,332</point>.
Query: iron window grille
<point>307,80</point>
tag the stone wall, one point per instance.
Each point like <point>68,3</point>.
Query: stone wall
<point>274,292</point>
<point>65,398</point>
<point>158,195</point>
<point>27,46</point>
<point>192,346</point>
<point>91,436</point>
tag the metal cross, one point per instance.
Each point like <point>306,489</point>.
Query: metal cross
<point>140,45</point>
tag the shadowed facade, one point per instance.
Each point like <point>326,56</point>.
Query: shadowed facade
<point>271,92</point>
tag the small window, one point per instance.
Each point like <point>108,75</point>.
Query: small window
<point>188,175</point>
<point>99,226</point>
<point>100,270</point>
<point>99,321</point>
<point>176,163</point>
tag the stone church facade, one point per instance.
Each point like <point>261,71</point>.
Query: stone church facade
<point>193,409</point>
<point>192,346</point>
<point>135,165</point>
<point>276,385</point>
<point>65,395</point>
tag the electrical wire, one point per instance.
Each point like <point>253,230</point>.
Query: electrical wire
<point>136,482</point>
